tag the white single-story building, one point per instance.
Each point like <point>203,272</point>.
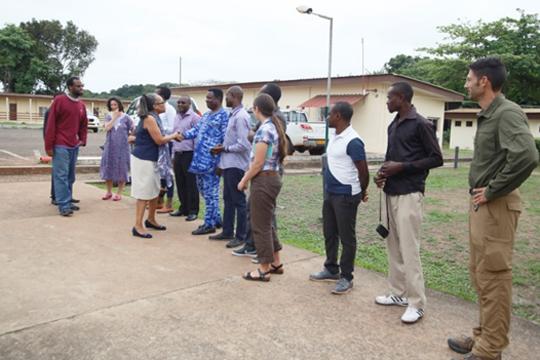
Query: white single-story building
<point>463,124</point>
<point>366,93</point>
<point>30,108</point>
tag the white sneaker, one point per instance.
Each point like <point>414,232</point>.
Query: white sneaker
<point>412,315</point>
<point>391,300</point>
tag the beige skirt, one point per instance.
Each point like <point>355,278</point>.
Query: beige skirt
<point>145,180</point>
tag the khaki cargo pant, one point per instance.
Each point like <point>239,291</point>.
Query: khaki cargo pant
<point>405,275</point>
<point>492,228</point>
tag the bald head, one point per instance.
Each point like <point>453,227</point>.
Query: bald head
<point>234,96</point>
<point>185,98</point>
<point>183,104</point>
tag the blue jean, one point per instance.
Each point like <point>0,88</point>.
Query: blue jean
<point>234,204</point>
<point>208,185</point>
<point>64,161</point>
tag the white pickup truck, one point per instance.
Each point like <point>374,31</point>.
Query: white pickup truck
<point>303,134</point>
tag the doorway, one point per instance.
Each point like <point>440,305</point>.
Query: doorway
<point>13,112</point>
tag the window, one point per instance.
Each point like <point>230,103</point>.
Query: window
<point>468,124</point>
<point>96,111</point>
<point>42,110</point>
<point>458,123</point>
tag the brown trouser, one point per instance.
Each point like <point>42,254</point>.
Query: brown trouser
<point>492,228</point>
<point>264,191</point>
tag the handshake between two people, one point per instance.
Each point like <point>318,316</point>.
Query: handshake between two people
<point>178,136</point>
<point>388,169</point>
<point>216,150</point>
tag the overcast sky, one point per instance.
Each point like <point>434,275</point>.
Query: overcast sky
<point>250,40</point>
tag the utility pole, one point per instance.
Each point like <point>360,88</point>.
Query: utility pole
<point>363,68</point>
<point>179,71</point>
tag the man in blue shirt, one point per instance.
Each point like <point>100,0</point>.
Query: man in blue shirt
<point>209,132</point>
<point>346,182</point>
<point>234,163</point>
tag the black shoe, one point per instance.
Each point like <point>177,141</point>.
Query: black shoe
<point>75,207</point>
<point>220,236</point>
<point>219,226</point>
<point>234,243</point>
<point>203,230</point>
<point>53,202</point>
<point>138,234</point>
<point>245,251</point>
<point>191,217</point>
<point>75,201</point>
<point>148,224</point>
<point>177,213</point>
<point>66,213</point>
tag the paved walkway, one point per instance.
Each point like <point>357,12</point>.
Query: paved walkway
<point>84,288</point>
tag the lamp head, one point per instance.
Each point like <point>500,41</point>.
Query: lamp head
<point>304,9</point>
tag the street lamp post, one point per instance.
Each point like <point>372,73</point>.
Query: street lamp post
<point>309,11</point>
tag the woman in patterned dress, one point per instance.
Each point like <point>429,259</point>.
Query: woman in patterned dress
<point>115,159</point>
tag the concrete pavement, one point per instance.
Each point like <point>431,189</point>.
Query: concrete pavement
<point>84,288</point>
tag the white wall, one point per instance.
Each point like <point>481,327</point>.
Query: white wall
<point>370,120</point>
<point>534,125</point>
<point>462,136</point>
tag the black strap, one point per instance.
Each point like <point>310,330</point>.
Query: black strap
<point>380,209</point>
<point>380,206</point>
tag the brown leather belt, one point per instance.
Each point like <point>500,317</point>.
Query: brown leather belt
<point>268,173</point>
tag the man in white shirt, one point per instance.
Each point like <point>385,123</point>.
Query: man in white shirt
<point>345,186</point>
<point>167,121</point>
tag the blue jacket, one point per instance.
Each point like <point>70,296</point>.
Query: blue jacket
<point>209,132</point>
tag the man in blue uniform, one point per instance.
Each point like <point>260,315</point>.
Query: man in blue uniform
<point>209,132</point>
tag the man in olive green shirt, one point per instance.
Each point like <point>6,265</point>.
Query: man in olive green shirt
<point>504,157</point>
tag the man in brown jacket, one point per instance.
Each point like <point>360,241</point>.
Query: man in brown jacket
<point>504,157</point>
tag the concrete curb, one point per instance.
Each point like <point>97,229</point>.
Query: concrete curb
<point>43,169</point>
<point>21,126</point>
<point>91,165</point>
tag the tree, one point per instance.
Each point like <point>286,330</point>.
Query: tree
<point>400,62</point>
<point>64,51</point>
<point>16,59</point>
<point>448,73</point>
<point>515,41</point>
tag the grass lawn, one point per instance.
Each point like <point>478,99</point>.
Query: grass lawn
<point>449,153</point>
<point>445,245</point>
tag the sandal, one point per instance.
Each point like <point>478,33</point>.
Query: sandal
<point>261,277</point>
<point>116,197</point>
<point>278,270</point>
<point>107,196</point>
